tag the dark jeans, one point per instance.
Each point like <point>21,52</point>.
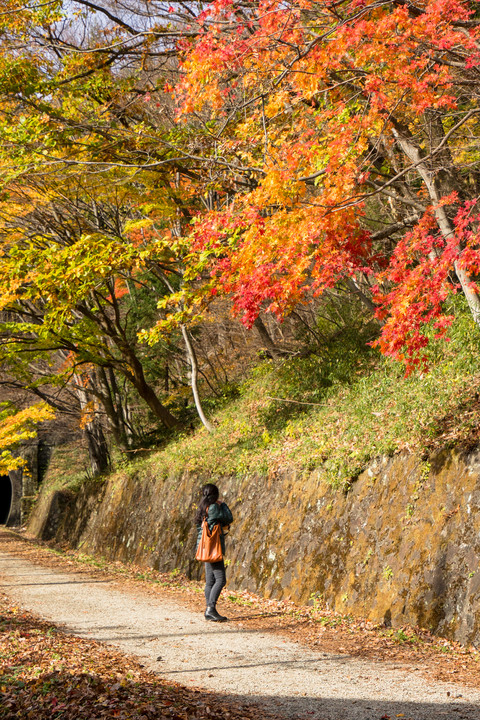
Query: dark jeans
<point>215,580</point>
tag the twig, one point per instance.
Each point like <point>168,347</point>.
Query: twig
<point>297,402</point>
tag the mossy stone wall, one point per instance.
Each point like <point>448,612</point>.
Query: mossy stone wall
<point>402,546</point>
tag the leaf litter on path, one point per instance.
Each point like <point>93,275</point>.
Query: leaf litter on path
<point>112,672</point>
<point>46,673</point>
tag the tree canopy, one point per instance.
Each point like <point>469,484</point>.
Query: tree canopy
<point>157,155</point>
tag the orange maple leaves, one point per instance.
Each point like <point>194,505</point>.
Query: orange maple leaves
<point>304,99</point>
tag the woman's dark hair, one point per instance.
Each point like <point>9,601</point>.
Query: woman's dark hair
<point>210,495</point>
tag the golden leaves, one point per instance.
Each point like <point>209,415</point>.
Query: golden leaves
<point>15,428</point>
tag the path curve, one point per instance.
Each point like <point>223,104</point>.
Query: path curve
<point>253,666</point>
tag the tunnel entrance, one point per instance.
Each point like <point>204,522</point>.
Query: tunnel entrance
<point>5,498</point>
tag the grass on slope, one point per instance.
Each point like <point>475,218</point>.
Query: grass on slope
<point>336,409</point>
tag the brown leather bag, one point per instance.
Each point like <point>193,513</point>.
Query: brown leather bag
<point>210,547</point>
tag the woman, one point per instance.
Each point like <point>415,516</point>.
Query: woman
<point>217,513</point>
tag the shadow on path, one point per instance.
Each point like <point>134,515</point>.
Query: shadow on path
<point>91,696</point>
<point>303,708</point>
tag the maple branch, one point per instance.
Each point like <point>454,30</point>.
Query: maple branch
<point>111,16</point>
<point>352,283</point>
<point>391,229</point>
<point>52,401</point>
<point>381,189</point>
<point>446,228</point>
<point>309,178</point>
<point>415,163</point>
<point>86,73</point>
<point>265,133</point>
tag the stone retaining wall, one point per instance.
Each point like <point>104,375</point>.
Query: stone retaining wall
<point>402,546</point>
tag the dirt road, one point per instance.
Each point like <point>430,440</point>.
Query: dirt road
<point>280,675</point>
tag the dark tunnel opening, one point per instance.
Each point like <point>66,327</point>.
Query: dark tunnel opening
<point>5,498</point>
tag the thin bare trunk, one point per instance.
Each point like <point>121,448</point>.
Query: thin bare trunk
<point>97,444</point>
<point>354,286</point>
<point>193,368</point>
<point>113,407</point>
<point>446,228</point>
<point>194,378</point>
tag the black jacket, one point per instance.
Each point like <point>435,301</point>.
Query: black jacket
<point>218,514</point>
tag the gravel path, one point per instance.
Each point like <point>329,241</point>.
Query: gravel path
<point>280,675</point>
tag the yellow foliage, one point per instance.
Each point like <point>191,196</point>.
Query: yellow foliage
<point>16,428</point>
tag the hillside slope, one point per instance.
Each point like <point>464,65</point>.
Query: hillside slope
<point>351,485</point>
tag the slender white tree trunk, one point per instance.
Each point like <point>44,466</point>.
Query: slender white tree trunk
<point>428,177</point>
<point>193,378</point>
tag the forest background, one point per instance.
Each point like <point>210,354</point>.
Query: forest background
<point>257,217</point>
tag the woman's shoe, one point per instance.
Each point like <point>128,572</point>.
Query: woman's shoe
<point>212,614</point>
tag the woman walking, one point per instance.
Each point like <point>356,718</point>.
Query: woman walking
<point>215,512</point>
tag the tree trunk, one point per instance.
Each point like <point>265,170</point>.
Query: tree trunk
<point>194,377</point>
<point>446,228</point>
<point>130,366</point>
<point>113,406</point>
<point>122,405</point>
<point>354,286</point>
<point>148,394</point>
<point>97,448</point>
<point>266,339</point>
<point>97,444</point>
